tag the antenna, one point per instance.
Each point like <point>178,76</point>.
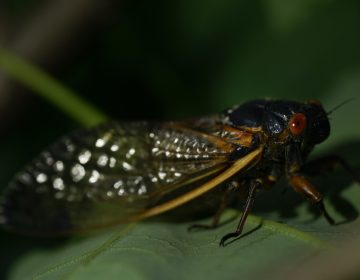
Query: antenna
<point>340,105</point>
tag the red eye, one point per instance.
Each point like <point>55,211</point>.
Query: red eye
<point>297,123</point>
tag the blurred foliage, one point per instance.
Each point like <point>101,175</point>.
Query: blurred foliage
<point>173,59</point>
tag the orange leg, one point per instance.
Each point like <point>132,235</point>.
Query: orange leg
<point>305,188</point>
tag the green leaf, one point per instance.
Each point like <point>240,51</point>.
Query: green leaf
<point>154,250</point>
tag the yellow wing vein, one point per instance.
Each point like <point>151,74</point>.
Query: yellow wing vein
<point>246,161</point>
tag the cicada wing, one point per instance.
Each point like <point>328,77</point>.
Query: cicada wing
<point>105,175</point>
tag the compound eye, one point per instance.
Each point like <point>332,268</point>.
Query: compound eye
<point>297,123</point>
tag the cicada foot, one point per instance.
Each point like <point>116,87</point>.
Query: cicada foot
<point>227,237</point>
<point>326,215</point>
<point>254,186</point>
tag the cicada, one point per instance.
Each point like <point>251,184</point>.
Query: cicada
<point>125,171</point>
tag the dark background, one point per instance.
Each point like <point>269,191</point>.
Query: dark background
<point>169,59</point>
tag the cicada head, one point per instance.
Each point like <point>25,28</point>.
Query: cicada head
<point>283,121</point>
<point>296,122</point>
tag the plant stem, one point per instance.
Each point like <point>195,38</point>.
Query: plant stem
<point>51,90</point>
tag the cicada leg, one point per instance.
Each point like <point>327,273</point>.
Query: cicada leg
<point>217,216</point>
<point>304,187</point>
<point>326,163</point>
<point>254,186</point>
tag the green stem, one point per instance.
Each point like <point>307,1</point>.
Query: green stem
<point>50,89</point>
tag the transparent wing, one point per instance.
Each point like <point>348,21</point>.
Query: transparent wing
<point>104,175</point>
